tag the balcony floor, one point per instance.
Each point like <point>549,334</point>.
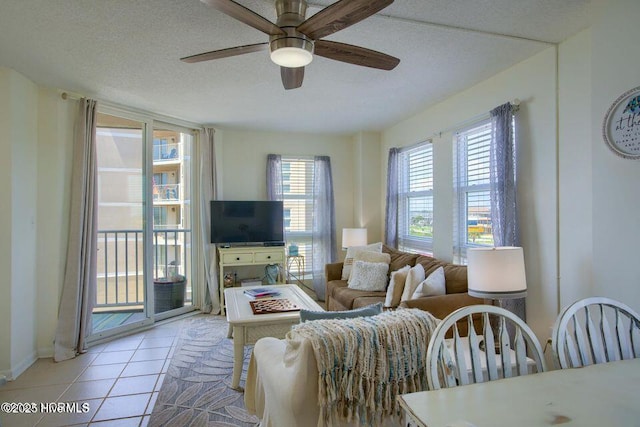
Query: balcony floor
<point>112,319</point>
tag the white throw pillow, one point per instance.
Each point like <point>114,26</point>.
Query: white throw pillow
<point>396,286</point>
<point>431,286</point>
<point>348,260</point>
<point>415,276</point>
<point>369,276</point>
<point>369,256</point>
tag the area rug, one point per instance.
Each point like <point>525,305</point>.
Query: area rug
<point>197,387</point>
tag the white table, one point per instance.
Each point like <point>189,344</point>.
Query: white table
<point>249,327</point>
<point>596,395</point>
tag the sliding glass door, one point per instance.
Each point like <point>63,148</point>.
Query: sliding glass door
<point>144,222</point>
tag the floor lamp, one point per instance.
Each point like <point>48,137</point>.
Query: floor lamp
<point>496,274</point>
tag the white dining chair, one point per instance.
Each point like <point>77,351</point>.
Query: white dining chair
<point>595,330</point>
<point>505,347</point>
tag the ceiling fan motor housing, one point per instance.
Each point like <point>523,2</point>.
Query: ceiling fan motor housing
<point>291,13</point>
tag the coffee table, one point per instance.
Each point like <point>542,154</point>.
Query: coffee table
<point>248,327</point>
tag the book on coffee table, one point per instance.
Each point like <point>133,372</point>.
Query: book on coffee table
<point>261,293</point>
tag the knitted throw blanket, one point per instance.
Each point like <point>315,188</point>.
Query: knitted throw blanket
<point>364,363</point>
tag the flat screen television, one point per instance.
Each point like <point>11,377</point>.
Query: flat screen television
<point>247,222</point>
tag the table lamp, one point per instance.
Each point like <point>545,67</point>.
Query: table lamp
<point>496,274</point>
<point>353,237</point>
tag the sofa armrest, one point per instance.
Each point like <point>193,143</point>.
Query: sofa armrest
<point>333,271</point>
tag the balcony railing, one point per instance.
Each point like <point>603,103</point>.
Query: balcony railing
<point>166,192</point>
<point>120,279</point>
<point>166,152</point>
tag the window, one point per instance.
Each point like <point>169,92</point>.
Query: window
<point>472,204</point>
<point>415,199</point>
<point>297,196</point>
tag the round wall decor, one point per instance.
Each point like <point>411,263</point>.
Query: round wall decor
<point>621,127</point>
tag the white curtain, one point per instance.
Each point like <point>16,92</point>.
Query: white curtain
<point>274,177</point>
<point>324,223</point>
<point>78,289</point>
<point>503,188</point>
<point>391,217</point>
<point>208,192</point>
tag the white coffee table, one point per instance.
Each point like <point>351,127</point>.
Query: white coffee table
<point>249,327</point>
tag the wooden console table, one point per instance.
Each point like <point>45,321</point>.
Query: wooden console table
<point>246,256</point>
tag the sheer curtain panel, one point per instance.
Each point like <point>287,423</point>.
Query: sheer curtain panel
<point>503,188</point>
<point>391,217</point>
<point>208,192</point>
<point>274,177</point>
<point>78,288</point>
<point>324,223</point>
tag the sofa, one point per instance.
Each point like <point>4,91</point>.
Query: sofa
<point>284,385</point>
<point>340,297</point>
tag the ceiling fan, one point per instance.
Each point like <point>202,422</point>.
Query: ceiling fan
<point>293,39</point>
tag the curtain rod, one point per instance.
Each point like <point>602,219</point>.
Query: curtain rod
<point>515,102</point>
<point>72,96</point>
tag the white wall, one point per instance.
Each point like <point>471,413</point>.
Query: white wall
<point>368,188</point>
<point>533,82</point>
<point>19,97</point>
<point>615,62</point>
<point>244,165</point>
<point>55,144</point>
<point>575,177</point>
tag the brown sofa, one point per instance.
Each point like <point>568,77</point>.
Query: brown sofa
<point>340,297</point>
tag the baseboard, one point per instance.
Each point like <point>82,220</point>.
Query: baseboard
<point>16,371</point>
<point>45,352</point>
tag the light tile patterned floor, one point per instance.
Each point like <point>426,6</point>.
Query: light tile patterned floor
<point>119,380</point>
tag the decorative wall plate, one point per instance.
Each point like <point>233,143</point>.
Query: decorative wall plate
<point>621,127</point>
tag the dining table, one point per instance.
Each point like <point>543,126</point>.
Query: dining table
<point>606,394</point>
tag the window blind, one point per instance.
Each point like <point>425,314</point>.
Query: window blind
<point>297,195</point>
<point>472,209</point>
<point>415,198</point>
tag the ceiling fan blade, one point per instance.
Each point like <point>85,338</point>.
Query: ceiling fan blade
<point>245,15</point>
<point>340,15</point>
<point>224,53</point>
<point>292,77</point>
<point>355,55</point>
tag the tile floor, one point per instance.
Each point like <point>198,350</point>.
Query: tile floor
<point>119,380</point>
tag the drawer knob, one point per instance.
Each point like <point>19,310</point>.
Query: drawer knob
<point>238,259</point>
<point>269,257</point>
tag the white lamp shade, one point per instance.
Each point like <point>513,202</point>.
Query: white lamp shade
<point>354,237</point>
<point>496,273</point>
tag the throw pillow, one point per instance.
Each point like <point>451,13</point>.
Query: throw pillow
<point>369,310</point>
<point>396,286</point>
<point>368,276</point>
<point>432,285</point>
<point>368,256</point>
<point>414,277</point>
<point>348,260</point>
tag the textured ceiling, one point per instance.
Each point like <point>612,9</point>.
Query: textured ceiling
<point>127,52</point>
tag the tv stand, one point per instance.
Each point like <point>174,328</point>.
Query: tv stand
<point>249,255</point>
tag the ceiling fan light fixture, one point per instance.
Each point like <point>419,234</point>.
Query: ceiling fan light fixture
<point>291,52</point>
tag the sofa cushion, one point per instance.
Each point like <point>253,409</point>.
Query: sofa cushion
<point>433,285</point>
<point>369,310</point>
<point>369,256</point>
<point>345,297</point>
<point>368,276</point>
<point>396,286</point>
<point>414,277</point>
<point>399,259</point>
<point>348,260</point>
<point>455,275</point>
